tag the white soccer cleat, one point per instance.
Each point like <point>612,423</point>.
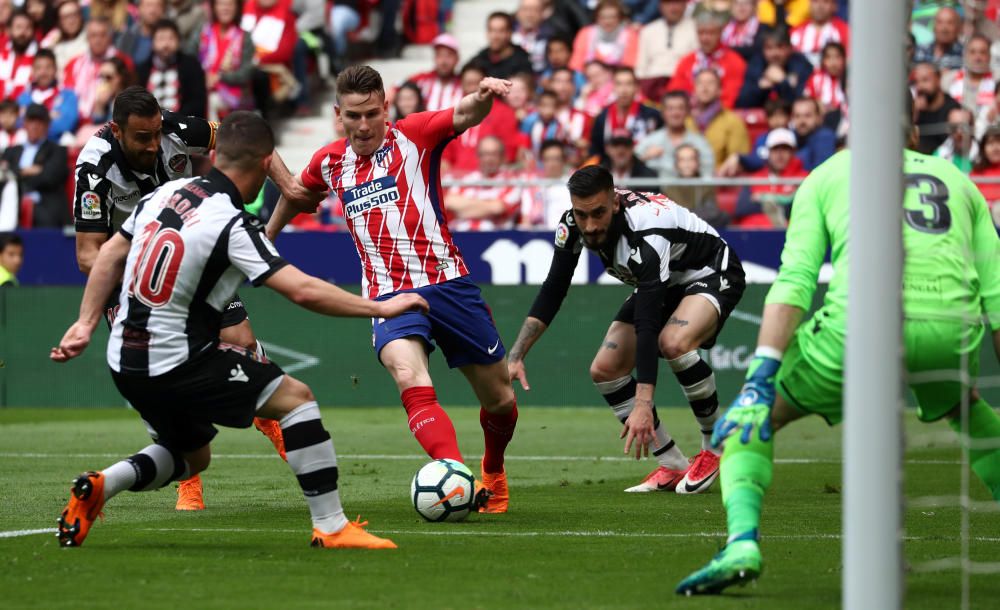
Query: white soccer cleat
<point>701,474</point>
<point>661,479</point>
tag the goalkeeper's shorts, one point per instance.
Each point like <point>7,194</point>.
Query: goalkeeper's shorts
<point>942,363</point>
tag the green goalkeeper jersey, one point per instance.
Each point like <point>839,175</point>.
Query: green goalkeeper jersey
<point>952,264</point>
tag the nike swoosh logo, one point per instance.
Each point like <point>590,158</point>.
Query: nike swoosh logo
<point>692,488</point>
<point>494,348</point>
<point>458,491</point>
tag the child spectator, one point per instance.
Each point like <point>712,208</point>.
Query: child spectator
<point>542,125</point>
<point>11,259</point>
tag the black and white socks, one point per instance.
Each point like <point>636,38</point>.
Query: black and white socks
<point>312,458</point>
<point>620,396</point>
<point>698,383</point>
<point>150,469</point>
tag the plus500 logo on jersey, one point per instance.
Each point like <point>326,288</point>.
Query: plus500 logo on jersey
<point>369,196</point>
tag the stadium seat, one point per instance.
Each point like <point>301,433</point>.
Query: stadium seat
<point>755,120</point>
<point>725,198</point>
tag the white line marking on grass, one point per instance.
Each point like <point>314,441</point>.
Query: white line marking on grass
<point>520,534</point>
<point>19,533</point>
<point>414,457</point>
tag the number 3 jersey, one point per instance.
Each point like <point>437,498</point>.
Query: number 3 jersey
<point>192,246</point>
<point>952,253</point>
<point>393,203</point>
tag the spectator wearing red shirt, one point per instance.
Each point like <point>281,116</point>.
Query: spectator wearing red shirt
<point>575,123</point>
<point>15,60</point>
<point>766,206</point>
<point>441,87</point>
<point>823,26</point>
<point>988,166</point>
<point>271,24</point>
<point>611,39</point>
<point>486,208</point>
<point>711,54</point>
<point>460,155</point>
<point>80,74</point>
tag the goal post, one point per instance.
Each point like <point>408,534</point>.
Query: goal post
<point>873,440</point>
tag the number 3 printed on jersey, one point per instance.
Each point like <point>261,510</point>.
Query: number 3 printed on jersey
<point>156,266</point>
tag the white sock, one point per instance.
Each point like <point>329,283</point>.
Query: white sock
<point>151,468</point>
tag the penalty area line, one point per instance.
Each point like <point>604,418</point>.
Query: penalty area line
<point>415,457</point>
<point>519,534</point>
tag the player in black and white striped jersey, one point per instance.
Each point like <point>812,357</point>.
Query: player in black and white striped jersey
<point>687,281</point>
<point>142,148</point>
<point>180,257</point>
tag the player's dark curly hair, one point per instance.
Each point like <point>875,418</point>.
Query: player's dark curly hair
<point>134,100</point>
<point>589,181</point>
<point>360,79</point>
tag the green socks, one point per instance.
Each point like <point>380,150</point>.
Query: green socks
<point>984,425</point>
<point>745,472</point>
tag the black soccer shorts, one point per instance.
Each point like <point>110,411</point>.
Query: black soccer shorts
<point>723,289</point>
<point>223,386</point>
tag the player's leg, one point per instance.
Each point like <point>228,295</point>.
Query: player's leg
<point>939,355</point>
<point>804,387</point>
<point>611,372</point>
<point>462,325</point>
<point>405,359</point>
<point>236,330</point>
<point>313,460</point>
<point>498,418</point>
<point>178,453</point>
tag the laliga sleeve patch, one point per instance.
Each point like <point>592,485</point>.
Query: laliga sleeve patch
<point>90,206</point>
<point>562,234</point>
<point>177,163</point>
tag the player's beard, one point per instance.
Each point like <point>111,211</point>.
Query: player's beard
<point>142,162</point>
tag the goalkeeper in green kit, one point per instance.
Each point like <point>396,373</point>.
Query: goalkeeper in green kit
<point>951,281</point>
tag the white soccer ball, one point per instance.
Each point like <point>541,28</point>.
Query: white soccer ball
<point>443,490</point>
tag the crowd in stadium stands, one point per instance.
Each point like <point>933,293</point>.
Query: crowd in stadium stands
<point>652,89</point>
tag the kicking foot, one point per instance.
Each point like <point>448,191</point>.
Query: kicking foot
<point>737,564</point>
<point>661,479</point>
<point>701,474</point>
<point>85,503</point>
<point>189,495</point>
<point>499,496</point>
<point>353,536</point>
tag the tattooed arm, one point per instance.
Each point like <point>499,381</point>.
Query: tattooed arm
<point>531,331</point>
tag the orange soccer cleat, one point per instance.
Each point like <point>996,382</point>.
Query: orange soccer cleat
<point>353,536</point>
<point>499,496</point>
<point>189,494</point>
<point>272,430</point>
<point>85,503</point>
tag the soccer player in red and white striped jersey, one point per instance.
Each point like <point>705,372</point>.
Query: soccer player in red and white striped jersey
<point>823,26</point>
<point>441,87</point>
<point>388,178</point>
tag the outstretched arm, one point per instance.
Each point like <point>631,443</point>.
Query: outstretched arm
<point>473,108</point>
<point>291,186</point>
<point>531,331</point>
<point>105,275</point>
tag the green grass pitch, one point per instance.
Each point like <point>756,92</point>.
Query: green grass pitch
<point>572,539</point>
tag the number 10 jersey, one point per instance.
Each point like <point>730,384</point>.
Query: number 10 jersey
<point>192,246</point>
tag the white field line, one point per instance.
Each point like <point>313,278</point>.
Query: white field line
<point>415,457</point>
<point>435,531</point>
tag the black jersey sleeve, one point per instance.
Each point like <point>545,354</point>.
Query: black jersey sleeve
<point>569,245</point>
<point>91,200</point>
<point>197,134</point>
<point>650,264</point>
